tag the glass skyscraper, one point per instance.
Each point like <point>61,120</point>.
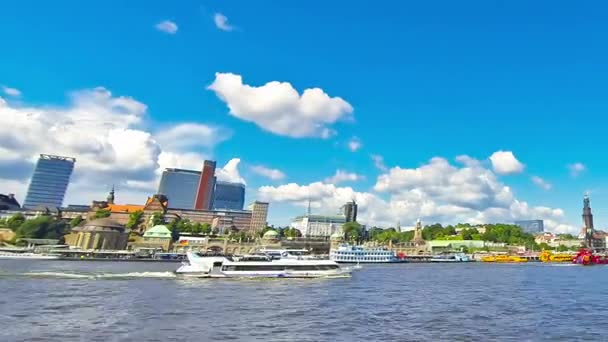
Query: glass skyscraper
<point>229,196</point>
<point>531,226</point>
<point>180,187</point>
<point>49,182</point>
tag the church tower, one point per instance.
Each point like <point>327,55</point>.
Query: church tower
<point>587,216</point>
<point>587,231</point>
<point>418,239</point>
<point>111,196</point>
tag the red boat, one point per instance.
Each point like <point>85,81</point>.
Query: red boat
<point>585,257</point>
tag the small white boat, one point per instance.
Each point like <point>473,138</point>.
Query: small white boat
<point>457,257</point>
<point>27,255</point>
<point>259,266</point>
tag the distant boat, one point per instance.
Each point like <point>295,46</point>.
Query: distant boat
<point>361,254</point>
<point>504,259</point>
<point>27,255</point>
<point>586,258</point>
<point>457,257</point>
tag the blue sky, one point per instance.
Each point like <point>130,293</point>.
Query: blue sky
<point>424,80</point>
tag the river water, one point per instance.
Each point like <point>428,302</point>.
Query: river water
<point>127,301</point>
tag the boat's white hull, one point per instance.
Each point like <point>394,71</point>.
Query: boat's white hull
<point>33,257</point>
<point>366,261</point>
<point>345,274</point>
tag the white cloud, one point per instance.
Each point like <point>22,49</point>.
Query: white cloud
<point>188,135</point>
<point>379,162</point>
<point>103,132</point>
<point>11,91</point>
<point>504,163</point>
<point>354,144</point>
<point>576,169</point>
<point>278,108</point>
<point>180,160</point>
<point>437,192</point>
<point>344,176</point>
<point>541,183</point>
<point>167,26</point>
<point>230,172</point>
<point>269,173</point>
<point>221,22</point>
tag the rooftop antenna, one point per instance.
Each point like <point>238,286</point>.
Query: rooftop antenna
<point>308,211</point>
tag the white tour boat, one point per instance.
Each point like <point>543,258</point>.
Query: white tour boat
<point>27,255</point>
<point>360,254</point>
<point>457,257</point>
<point>259,266</point>
<point>299,254</point>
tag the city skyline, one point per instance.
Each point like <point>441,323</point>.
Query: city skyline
<point>465,120</point>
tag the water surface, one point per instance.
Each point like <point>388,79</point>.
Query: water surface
<point>126,301</point>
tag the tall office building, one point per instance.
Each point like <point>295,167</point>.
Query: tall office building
<point>206,186</point>
<point>229,196</point>
<point>180,187</point>
<point>259,215</point>
<point>350,211</point>
<point>49,182</point>
<point>531,226</point>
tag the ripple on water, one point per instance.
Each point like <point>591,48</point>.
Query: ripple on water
<point>477,302</point>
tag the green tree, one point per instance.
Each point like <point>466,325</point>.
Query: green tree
<point>543,246</point>
<point>206,229</point>
<point>15,221</point>
<point>566,236</point>
<point>352,231</point>
<point>158,218</point>
<point>292,233</point>
<point>76,221</point>
<point>562,248</point>
<point>135,219</point>
<point>197,228</point>
<point>184,226</point>
<point>101,213</point>
<point>43,227</point>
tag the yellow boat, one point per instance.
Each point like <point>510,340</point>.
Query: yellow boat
<point>547,256</point>
<point>504,258</point>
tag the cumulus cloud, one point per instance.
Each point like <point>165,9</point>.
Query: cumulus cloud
<point>273,174</point>
<point>437,192</point>
<point>221,22</point>
<point>379,162</point>
<point>230,172</point>
<point>504,163</point>
<point>167,26</point>
<point>541,183</point>
<point>278,108</point>
<point>188,135</point>
<point>103,132</point>
<point>576,169</point>
<point>342,176</point>
<point>354,144</point>
<point>11,91</point>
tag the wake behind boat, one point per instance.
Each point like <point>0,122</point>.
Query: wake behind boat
<point>259,266</point>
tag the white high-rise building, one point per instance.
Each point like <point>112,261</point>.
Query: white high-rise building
<point>318,225</point>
